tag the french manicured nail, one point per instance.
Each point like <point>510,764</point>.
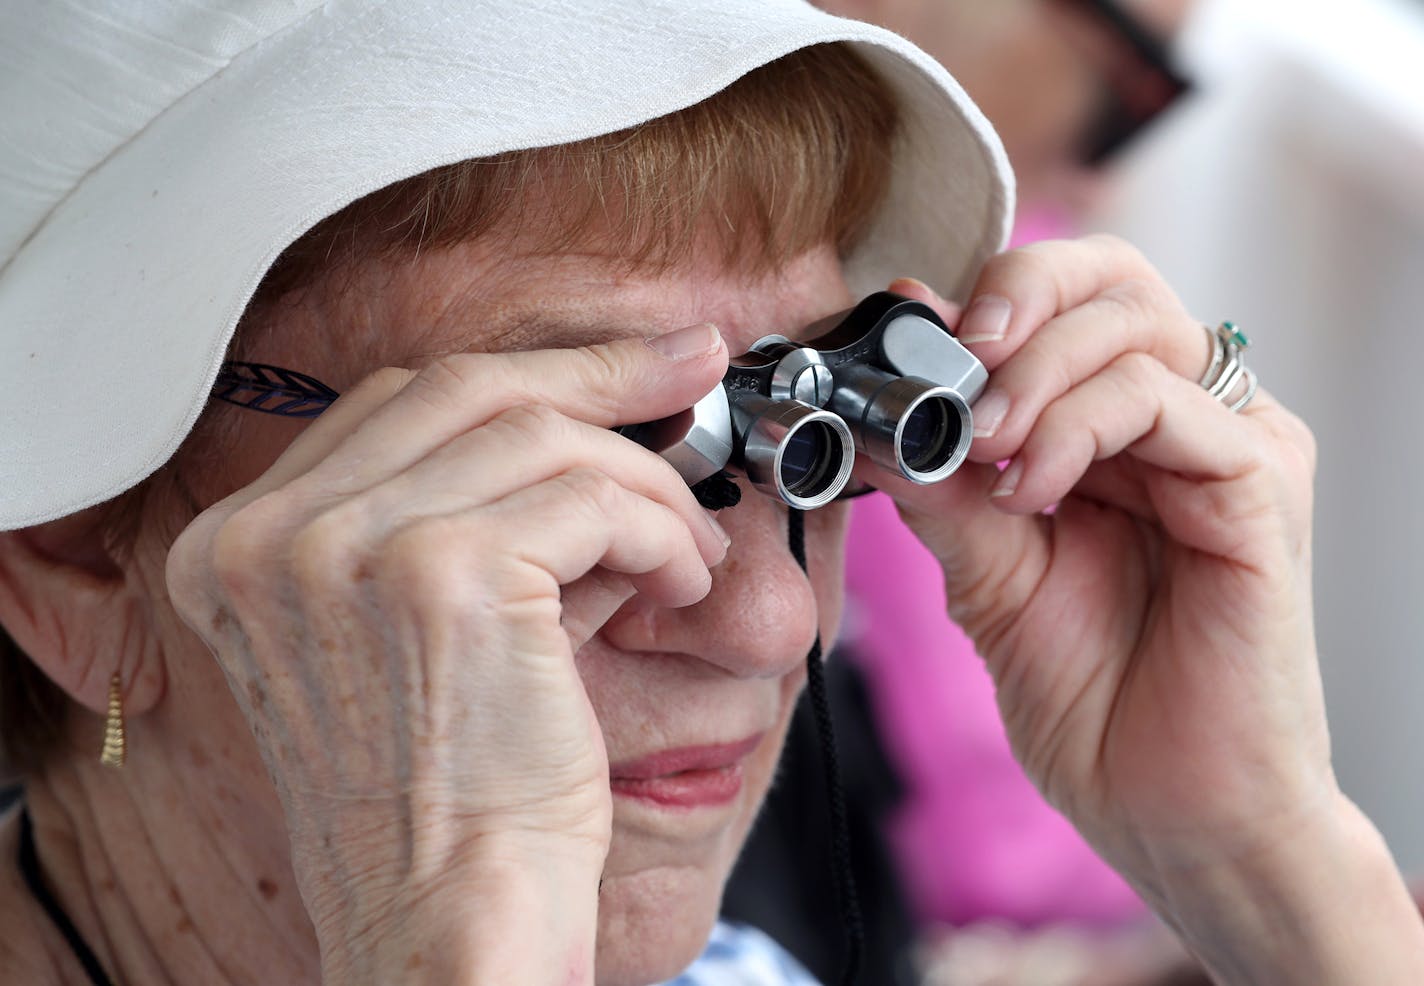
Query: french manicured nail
<point>695,340</point>
<point>718,529</point>
<point>989,412</point>
<point>986,321</point>
<point>1008,480</point>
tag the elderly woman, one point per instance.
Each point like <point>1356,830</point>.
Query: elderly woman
<point>456,684</point>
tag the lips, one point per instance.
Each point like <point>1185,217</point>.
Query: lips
<point>685,777</point>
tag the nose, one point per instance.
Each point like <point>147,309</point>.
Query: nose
<point>758,620</point>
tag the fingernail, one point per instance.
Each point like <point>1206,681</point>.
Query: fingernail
<point>915,282</point>
<point>695,340</point>
<point>1008,480</point>
<point>986,321</point>
<point>989,412</point>
<point>717,529</point>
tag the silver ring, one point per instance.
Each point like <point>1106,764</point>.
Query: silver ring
<point>1226,371</point>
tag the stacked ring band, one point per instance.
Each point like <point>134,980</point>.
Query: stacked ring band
<point>1226,372</point>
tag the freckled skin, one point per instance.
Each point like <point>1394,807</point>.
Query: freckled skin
<point>717,671</point>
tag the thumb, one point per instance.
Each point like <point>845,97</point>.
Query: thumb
<point>629,381</point>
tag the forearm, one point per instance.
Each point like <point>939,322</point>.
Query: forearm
<point>505,923</point>
<point>1329,907</point>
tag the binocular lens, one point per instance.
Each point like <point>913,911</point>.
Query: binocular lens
<point>917,428</point>
<point>809,456</point>
<point>930,435</point>
<point>793,451</point>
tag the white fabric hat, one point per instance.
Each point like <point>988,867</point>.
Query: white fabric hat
<point>157,155</point>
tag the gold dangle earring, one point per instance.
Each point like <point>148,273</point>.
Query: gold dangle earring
<point>113,755</point>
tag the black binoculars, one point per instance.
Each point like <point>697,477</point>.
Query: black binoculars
<point>885,379</point>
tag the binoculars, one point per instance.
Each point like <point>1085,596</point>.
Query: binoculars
<point>885,379</point>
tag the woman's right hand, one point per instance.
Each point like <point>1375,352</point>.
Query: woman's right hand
<point>397,603</point>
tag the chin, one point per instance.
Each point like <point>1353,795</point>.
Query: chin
<point>653,924</point>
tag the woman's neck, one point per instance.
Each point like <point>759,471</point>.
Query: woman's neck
<point>163,871</point>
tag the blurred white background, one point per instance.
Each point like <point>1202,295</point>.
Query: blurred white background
<point>1288,195</point>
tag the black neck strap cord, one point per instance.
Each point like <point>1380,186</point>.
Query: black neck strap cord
<point>841,873</point>
<point>34,879</point>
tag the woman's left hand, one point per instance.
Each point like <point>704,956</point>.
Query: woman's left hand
<point>1151,637</point>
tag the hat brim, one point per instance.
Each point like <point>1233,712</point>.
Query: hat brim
<point>117,312</point>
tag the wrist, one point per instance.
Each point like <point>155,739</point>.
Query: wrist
<point>1323,903</point>
<point>513,912</point>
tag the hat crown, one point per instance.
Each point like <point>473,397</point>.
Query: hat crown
<point>80,79</point>
<point>156,156</point>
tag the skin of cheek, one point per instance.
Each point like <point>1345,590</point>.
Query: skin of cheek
<point>660,897</point>
<point>652,926</point>
<point>653,920</point>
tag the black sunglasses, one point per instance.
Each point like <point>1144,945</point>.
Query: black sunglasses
<point>272,390</point>
<point>1134,98</point>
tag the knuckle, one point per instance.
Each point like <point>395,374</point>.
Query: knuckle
<point>602,372</point>
<point>591,488</point>
<point>1138,301</point>
<point>531,423</point>
<point>1036,261</point>
<point>321,551</point>
<point>445,383</point>
<point>187,569</point>
<point>1028,269</point>
<point>1155,294</point>
<point>1115,246</point>
<point>1040,368</point>
<point>1298,438</point>
<point>432,561</point>
<point>1109,242</point>
<point>1140,370</point>
<point>603,361</point>
<point>239,550</point>
<point>669,484</point>
<point>1138,364</point>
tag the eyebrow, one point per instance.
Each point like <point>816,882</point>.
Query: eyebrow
<point>544,328</point>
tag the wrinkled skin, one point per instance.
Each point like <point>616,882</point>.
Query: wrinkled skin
<point>484,596</point>
<point>1151,638</point>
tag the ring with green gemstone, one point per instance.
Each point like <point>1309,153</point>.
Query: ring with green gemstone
<point>1226,370</point>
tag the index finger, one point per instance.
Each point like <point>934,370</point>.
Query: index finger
<point>396,418</point>
<point>1022,289</point>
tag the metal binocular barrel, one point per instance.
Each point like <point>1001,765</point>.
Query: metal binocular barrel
<point>885,379</point>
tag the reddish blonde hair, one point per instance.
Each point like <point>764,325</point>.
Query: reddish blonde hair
<point>794,155</point>
<point>791,156</point>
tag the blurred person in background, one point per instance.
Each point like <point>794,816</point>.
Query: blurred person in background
<point>1066,82</point>
<point>1289,192</point>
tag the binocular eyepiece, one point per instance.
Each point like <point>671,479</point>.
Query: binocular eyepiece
<point>792,450</point>
<point>885,379</point>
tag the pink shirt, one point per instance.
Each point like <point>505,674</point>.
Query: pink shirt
<point>974,839</point>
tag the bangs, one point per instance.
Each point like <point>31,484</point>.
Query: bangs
<point>794,155</point>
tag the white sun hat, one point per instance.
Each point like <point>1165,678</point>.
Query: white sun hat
<point>157,155</point>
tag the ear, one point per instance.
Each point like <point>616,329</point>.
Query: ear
<point>78,614</point>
